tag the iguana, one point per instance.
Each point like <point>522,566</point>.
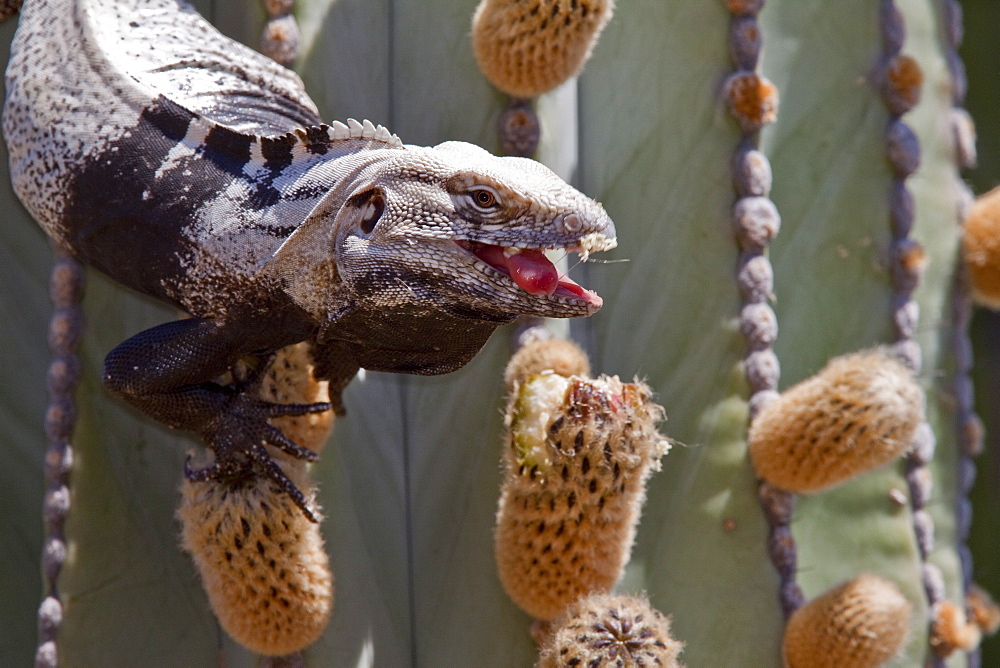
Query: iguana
<point>194,170</point>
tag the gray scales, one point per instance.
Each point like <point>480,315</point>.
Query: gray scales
<point>195,170</point>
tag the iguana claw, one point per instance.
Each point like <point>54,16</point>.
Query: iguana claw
<point>238,439</point>
<point>259,463</point>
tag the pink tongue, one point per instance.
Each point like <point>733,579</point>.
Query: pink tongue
<point>530,269</point>
<point>533,272</point>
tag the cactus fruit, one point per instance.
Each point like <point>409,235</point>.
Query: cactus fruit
<point>981,242</point>
<point>262,561</point>
<point>610,630</point>
<point>858,413</point>
<point>577,458</point>
<point>528,48</point>
<point>861,623</point>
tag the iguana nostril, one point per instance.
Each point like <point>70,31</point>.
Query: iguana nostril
<point>571,223</point>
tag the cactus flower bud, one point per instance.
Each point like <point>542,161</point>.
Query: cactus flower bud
<point>981,241</point>
<point>610,630</point>
<point>261,560</point>
<point>858,413</point>
<point>861,623</point>
<point>528,48</point>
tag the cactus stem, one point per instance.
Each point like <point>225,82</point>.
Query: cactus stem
<point>968,427</point>
<point>753,101</point>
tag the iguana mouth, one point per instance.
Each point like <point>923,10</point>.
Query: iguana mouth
<point>531,271</point>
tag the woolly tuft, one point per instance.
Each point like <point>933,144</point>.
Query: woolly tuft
<point>611,630</point>
<point>578,455</point>
<point>528,48</point>
<point>983,610</point>
<point>860,412</point>
<point>861,623</point>
<point>951,631</point>
<point>903,81</point>
<point>751,99</point>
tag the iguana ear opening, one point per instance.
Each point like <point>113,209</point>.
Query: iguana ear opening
<point>371,204</point>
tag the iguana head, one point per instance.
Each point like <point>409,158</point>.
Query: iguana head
<point>465,230</point>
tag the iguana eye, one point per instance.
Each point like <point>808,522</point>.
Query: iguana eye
<point>484,198</point>
<point>371,212</point>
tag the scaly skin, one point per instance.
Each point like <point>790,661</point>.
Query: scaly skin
<point>198,172</point>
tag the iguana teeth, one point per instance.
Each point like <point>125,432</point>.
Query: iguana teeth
<point>510,251</point>
<point>367,129</point>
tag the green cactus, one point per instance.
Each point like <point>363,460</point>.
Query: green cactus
<point>409,484</point>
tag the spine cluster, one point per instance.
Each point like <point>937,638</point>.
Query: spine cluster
<point>610,630</point>
<point>65,331</point>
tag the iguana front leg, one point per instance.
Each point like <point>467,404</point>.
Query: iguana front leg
<point>168,373</point>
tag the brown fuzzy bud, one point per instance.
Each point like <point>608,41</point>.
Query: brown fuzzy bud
<point>610,630</point>
<point>861,623</point>
<point>261,560</point>
<point>981,241</point>
<point>858,413</point>
<point>983,610</point>
<point>528,48</point>
<point>950,630</point>
<point>577,458</point>
<point>557,355</point>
